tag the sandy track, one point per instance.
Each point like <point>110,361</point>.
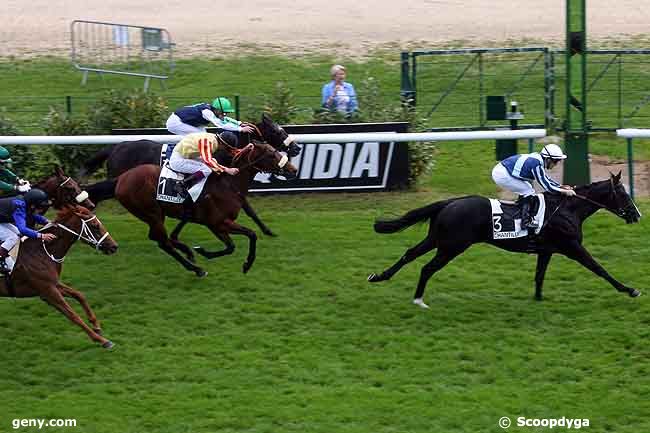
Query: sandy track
<point>40,26</point>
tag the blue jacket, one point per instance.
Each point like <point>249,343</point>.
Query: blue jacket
<point>530,167</point>
<point>193,114</point>
<point>328,90</point>
<point>13,210</point>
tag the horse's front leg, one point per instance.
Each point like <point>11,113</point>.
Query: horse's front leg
<point>237,229</point>
<point>223,237</point>
<point>251,213</point>
<point>543,260</point>
<point>180,245</point>
<point>55,298</point>
<point>69,292</point>
<point>577,252</point>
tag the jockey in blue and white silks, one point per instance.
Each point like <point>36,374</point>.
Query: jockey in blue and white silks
<point>518,172</point>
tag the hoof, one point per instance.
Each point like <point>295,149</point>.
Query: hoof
<point>108,345</point>
<point>419,302</point>
<point>634,293</point>
<point>373,278</point>
<point>246,267</point>
<point>270,233</point>
<point>200,273</point>
<point>539,298</point>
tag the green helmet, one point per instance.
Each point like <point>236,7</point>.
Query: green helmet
<point>223,104</point>
<point>5,157</point>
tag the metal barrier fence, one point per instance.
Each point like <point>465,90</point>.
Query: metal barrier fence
<point>121,49</point>
<point>451,85</point>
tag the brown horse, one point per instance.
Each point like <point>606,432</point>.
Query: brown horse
<point>64,190</point>
<point>217,208</point>
<point>38,268</point>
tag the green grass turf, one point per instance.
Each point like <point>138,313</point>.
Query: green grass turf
<point>304,344</point>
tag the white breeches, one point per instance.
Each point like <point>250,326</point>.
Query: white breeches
<point>9,235</point>
<point>506,181</point>
<point>189,166</point>
<point>176,126</point>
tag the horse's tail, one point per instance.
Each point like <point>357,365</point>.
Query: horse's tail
<point>410,218</point>
<point>101,191</point>
<point>95,162</point>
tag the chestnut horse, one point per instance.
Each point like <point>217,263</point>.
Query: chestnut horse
<point>217,208</point>
<point>38,268</point>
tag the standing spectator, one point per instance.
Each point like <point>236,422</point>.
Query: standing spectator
<point>338,95</point>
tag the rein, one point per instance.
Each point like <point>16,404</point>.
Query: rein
<point>85,234</point>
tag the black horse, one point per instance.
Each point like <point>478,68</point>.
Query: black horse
<point>457,223</point>
<point>123,156</point>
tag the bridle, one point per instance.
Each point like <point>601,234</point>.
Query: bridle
<point>621,212</point>
<point>79,198</point>
<point>286,142</point>
<point>84,234</point>
<point>248,149</point>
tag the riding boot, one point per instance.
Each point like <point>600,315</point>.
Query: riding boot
<point>4,269</point>
<point>189,181</point>
<point>527,220</point>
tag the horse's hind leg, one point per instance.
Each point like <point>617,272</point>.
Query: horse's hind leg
<point>411,254</point>
<point>55,298</point>
<point>69,292</point>
<point>442,257</point>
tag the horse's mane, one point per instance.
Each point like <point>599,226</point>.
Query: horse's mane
<point>66,212</point>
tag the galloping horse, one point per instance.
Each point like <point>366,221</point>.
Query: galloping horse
<point>39,265</point>
<point>124,156</point>
<point>217,208</point>
<point>457,223</point>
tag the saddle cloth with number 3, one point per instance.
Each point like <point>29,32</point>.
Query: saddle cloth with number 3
<point>506,218</point>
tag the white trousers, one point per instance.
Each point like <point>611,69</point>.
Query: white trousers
<point>9,235</point>
<point>506,181</point>
<point>189,166</point>
<point>176,126</point>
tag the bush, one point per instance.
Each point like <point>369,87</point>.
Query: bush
<point>116,109</point>
<point>28,161</point>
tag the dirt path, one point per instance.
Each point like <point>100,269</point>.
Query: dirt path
<point>344,26</point>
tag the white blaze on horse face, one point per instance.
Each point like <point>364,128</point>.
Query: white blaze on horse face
<point>283,161</point>
<point>83,195</point>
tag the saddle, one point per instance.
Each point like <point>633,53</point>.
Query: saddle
<point>171,188</point>
<point>506,218</point>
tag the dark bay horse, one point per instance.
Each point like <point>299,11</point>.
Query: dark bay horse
<point>64,190</point>
<point>457,223</point>
<point>217,208</point>
<point>38,268</point>
<point>123,156</point>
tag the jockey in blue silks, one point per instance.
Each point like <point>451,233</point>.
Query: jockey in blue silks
<point>517,173</point>
<point>17,216</point>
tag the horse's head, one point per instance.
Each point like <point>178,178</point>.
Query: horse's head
<point>612,194</point>
<point>263,157</point>
<point>64,190</point>
<point>272,133</point>
<point>83,224</point>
